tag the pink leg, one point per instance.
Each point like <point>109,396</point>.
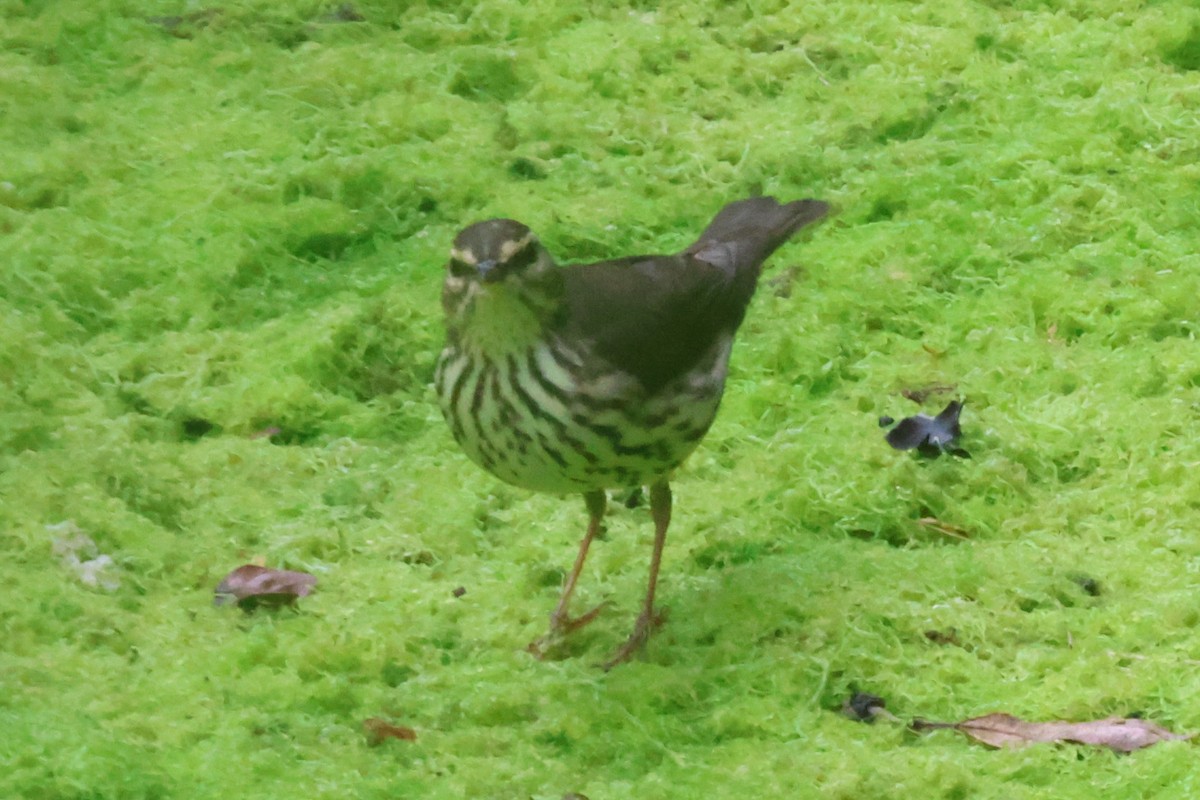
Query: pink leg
<point>560,620</point>
<point>648,620</point>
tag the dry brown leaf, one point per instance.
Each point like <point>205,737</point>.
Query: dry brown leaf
<point>379,730</point>
<point>1122,734</point>
<point>251,585</point>
<point>948,636</point>
<point>953,531</point>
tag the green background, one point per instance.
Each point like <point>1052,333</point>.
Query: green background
<point>222,230</point>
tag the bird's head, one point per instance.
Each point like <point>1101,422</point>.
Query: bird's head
<point>499,279</point>
<point>493,251</point>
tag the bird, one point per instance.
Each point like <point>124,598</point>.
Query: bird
<point>581,378</point>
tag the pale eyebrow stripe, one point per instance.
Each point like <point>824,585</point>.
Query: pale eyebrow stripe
<point>465,256</point>
<point>510,248</point>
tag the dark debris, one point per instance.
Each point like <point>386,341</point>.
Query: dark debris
<point>948,636</point>
<point>1090,585</point>
<point>634,498</point>
<point>864,707</point>
<point>931,436</point>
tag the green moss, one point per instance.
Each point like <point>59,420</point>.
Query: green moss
<point>222,231</point>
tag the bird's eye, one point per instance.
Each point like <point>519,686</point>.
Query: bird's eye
<point>522,258</point>
<point>459,268</point>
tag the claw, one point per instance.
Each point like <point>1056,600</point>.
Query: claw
<point>560,628</point>
<point>646,624</point>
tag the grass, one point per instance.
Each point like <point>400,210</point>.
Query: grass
<point>221,232</point>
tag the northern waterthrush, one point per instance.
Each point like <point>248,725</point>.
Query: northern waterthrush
<point>587,377</point>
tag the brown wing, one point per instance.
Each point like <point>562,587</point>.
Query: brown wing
<point>656,316</point>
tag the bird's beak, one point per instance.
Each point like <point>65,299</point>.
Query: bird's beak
<point>487,271</point>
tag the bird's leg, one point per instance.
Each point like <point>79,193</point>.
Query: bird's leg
<point>648,620</point>
<point>560,621</point>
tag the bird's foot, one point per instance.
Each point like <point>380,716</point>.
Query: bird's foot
<point>647,623</point>
<point>561,626</point>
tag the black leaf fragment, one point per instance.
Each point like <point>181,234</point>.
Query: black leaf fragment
<point>931,436</point>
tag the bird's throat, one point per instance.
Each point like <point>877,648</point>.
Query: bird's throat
<point>501,322</point>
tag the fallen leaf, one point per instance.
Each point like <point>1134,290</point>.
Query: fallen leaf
<point>1122,734</point>
<point>379,730</point>
<point>931,436</point>
<point>948,636</point>
<point>936,524</point>
<point>251,585</point>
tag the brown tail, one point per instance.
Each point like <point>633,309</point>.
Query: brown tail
<point>744,233</point>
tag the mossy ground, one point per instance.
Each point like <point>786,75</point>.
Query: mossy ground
<point>218,220</point>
